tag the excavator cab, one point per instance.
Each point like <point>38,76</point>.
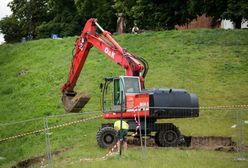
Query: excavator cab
<point>123,94</point>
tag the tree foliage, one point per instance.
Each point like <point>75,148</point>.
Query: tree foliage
<point>236,11</point>
<point>157,14</point>
<point>64,21</point>
<point>10,27</point>
<point>69,16</point>
<point>215,8</point>
<point>102,10</point>
<point>42,18</point>
<point>29,14</point>
<point>26,16</point>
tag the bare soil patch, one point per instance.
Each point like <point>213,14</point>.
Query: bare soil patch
<point>35,160</point>
<point>216,143</point>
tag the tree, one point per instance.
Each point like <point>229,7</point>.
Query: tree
<point>124,7</point>
<point>30,14</point>
<point>65,20</point>
<point>102,10</point>
<point>156,14</point>
<point>214,8</point>
<point>10,27</point>
<point>237,10</point>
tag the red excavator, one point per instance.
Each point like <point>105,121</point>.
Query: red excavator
<point>126,97</point>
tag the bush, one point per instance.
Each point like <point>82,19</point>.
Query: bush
<point>11,29</point>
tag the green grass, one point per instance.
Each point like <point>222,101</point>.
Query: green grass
<point>158,158</point>
<point>211,63</point>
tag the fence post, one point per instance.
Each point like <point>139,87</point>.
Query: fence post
<point>47,136</point>
<point>145,127</point>
<point>239,134</point>
<point>141,143</point>
<point>237,131</point>
<point>121,131</point>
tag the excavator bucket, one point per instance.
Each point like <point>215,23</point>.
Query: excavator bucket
<point>74,103</point>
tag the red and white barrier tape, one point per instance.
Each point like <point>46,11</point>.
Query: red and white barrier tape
<point>245,106</point>
<point>50,128</point>
<point>226,107</point>
<point>110,153</point>
<point>137,127</point>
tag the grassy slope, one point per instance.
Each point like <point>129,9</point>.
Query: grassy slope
<point>211,63</point>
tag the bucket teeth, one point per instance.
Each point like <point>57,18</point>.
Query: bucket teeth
<point>74,103</point>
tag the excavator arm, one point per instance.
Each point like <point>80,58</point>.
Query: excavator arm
<point>134,66</point>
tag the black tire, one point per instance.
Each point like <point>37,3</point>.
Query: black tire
<point>106,137</point>
<point>169,137</point>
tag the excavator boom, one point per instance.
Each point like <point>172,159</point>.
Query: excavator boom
<point>74,102</point>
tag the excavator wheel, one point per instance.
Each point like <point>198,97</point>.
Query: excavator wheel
<point>74,102</point>
<point>168,137</point>
<point>106,137</point>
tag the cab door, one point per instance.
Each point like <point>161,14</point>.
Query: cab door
<point>112,95</point>
<point>118,94</point>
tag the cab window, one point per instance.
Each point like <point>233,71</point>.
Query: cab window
<point>131,85</point>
